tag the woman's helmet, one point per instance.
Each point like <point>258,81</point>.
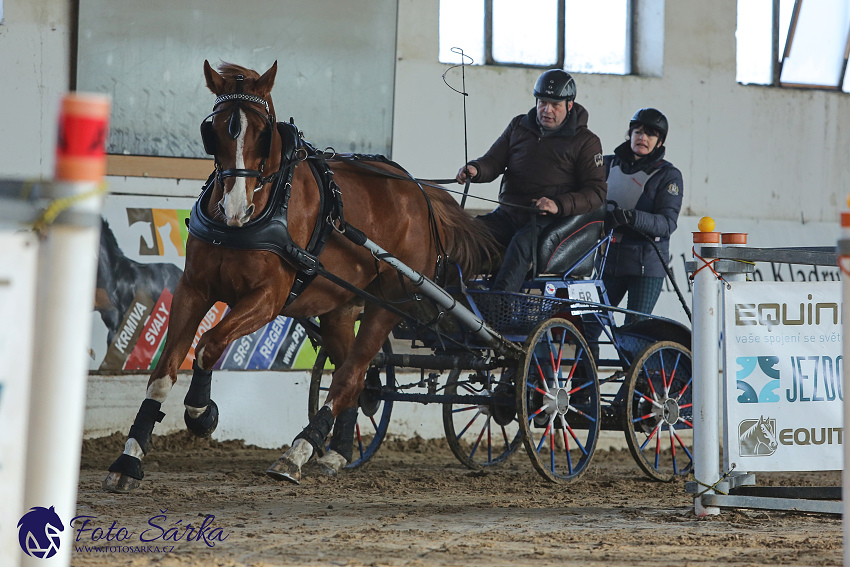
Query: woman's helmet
<point>651,118</point>
<point>555,84</point>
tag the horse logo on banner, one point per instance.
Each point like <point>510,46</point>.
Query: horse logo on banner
<point>757,437</point>
<point>38,532</point>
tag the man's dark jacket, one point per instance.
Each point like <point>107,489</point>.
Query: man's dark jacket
<point>564,165</point>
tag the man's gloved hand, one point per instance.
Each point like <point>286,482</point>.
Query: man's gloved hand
<point>619,217</point>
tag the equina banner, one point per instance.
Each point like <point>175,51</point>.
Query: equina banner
<point>783,367</point>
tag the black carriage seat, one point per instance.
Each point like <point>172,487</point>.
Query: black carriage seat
<point>563,243</point>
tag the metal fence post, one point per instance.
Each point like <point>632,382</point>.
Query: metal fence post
<point>706,354</point>
<point>844,267</point>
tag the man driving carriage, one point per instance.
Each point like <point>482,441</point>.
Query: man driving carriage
<point>550,161</point>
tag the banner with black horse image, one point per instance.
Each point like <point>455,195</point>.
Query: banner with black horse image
<point>141,258</point>
<point>783,369</point>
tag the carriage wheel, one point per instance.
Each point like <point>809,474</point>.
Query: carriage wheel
<point>373,413</point>
<point>559,401</point>
<point>475,433</point>
<point>658,420</point>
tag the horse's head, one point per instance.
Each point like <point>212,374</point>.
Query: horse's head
<point>766,432</point>
<point>241,134</point>
<point>38,532</point>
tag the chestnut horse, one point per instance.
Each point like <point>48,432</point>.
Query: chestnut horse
<point>415,223</point>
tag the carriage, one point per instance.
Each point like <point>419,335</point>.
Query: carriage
<point>548,395</point>
<point>268,236</point>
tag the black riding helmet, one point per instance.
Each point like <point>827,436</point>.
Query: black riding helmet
<point>650,118</point>
<point>555,84</point>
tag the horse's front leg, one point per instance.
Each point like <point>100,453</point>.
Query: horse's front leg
<point>188,309</point>
<point>248,315</point>
<point>346,386</point>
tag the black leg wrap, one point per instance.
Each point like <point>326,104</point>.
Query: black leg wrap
<point>317,430</point>
<point>198,395</point>
<point>128,465</point>
<point>204,424</point>
<point>343,436</point>
<point>148,416</point>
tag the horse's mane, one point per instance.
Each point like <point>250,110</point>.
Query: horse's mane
<point>750,431</point>
<point>230,70</point>
<point>467,240</point>
<point>109,237</point>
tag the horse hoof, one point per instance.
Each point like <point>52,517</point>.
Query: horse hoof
<point>284,469</point>
<point>204,424</point>
<point>328,470</point>
<point>117,482</point>
<point>331,463</point>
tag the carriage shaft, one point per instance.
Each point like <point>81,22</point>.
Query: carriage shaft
<point>440,296</point>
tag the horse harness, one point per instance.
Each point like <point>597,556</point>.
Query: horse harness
<point>270,231</point>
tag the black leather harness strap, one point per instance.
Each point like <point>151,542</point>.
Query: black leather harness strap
<point>270,230</point>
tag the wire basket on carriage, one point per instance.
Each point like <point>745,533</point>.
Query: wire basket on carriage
<point>514,313</point>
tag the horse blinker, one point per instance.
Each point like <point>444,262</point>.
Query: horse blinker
<point>210,144</point>
<point>208,137</point>
<point>265,142</point>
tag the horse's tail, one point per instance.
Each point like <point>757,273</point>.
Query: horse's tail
<point>466,240</point>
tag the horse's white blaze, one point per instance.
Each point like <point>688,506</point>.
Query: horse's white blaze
<point>236,201</point>
<point>158,389</point>
<point>132,448</point>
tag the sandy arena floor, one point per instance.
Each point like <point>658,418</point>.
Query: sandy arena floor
<point>414,504</point>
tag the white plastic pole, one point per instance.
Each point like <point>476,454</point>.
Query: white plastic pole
<point>67,271</point>
<point>844,266</point>
<point>706,364</point>
<point>18,263</point>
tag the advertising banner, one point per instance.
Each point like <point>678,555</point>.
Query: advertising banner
<point>783,371</point>
<point>141,259</point>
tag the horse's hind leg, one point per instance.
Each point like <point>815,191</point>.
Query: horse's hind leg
<point>348,381</point>
<point>337,328</point>
<point>188,308</point>
<point>341,447</point>
<point>340,334</point>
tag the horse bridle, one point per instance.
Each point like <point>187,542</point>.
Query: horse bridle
<point>234,128</point>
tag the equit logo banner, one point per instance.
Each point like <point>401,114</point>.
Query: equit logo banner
<point>757,437</point>
<point>38,532</point>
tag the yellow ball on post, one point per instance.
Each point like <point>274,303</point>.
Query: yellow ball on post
<point>706,224</point>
